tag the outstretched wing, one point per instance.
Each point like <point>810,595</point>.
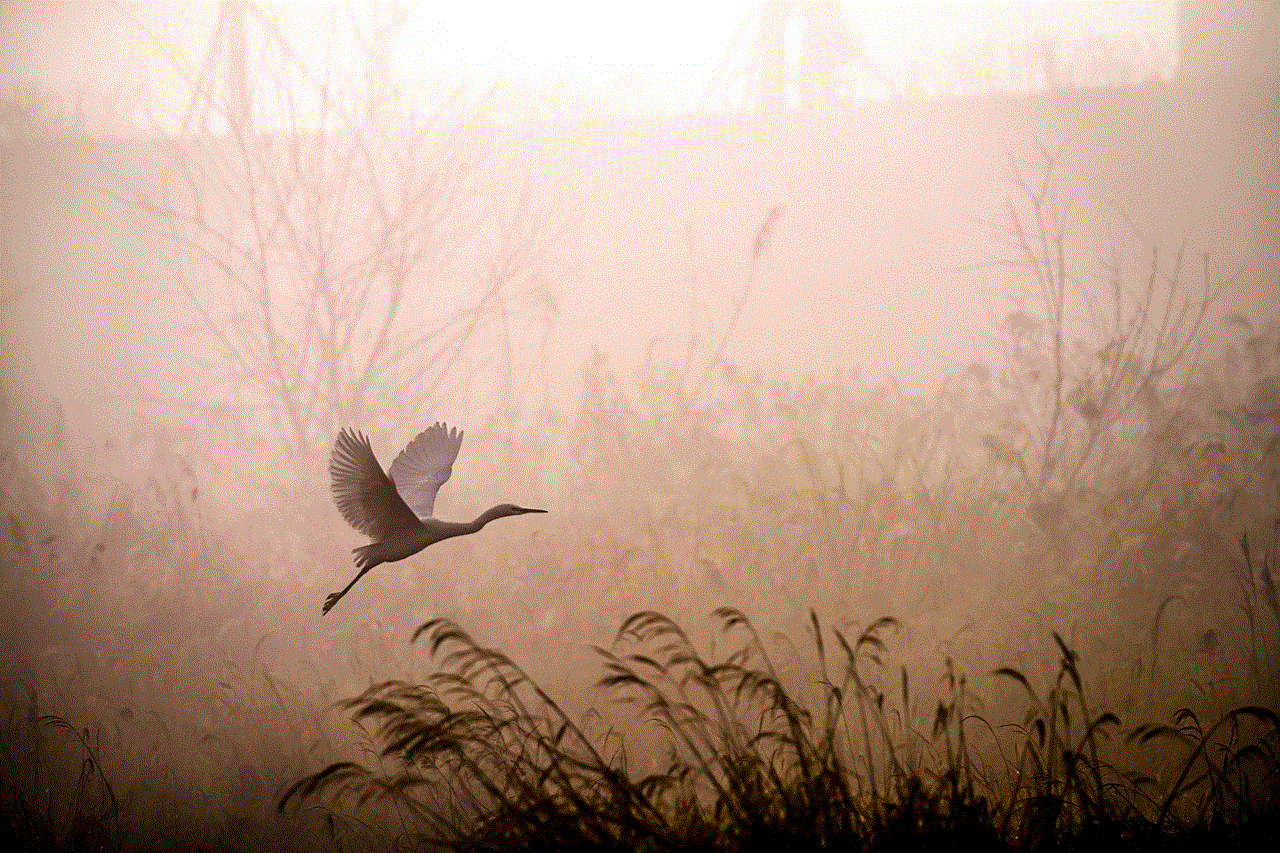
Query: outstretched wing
<point>425,465</point>
<point>365,496</point>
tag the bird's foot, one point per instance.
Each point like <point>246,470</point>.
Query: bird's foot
<point>329,601</point>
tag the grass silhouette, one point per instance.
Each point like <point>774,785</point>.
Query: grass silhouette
<point>484,759</point>
<point>39,808</point>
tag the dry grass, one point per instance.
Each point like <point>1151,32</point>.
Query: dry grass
<point>482,758</point>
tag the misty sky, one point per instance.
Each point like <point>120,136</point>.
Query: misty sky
<point>631,58</point>
<point>659,59</point>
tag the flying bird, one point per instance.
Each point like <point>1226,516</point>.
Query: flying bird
<point>395,511</point>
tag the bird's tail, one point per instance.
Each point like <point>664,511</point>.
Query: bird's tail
<point>366,556</point>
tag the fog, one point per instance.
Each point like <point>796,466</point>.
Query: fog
<point>964,315</point>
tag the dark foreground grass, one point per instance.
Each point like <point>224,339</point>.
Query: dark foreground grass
<point>40,807</point>
<point>482,758</point>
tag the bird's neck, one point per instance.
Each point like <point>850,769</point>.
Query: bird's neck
<point>482,519</point>
<point>439,530</point>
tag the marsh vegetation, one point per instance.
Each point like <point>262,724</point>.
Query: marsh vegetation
<point>947,619</point>
<point>1030,605</point>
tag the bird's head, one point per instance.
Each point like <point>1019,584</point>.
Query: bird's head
<point>503,510</point>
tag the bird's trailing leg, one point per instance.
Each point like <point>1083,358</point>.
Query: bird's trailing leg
<point>334,597</point>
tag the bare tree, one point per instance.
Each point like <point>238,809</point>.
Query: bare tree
<point>1094,371</point>
<point>346,257</point>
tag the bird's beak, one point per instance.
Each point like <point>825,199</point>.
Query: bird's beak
<point>526,509</point>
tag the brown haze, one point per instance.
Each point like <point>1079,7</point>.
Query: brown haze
<point>978,331</point>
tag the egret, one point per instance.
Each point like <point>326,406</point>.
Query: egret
<point>395,511</point>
